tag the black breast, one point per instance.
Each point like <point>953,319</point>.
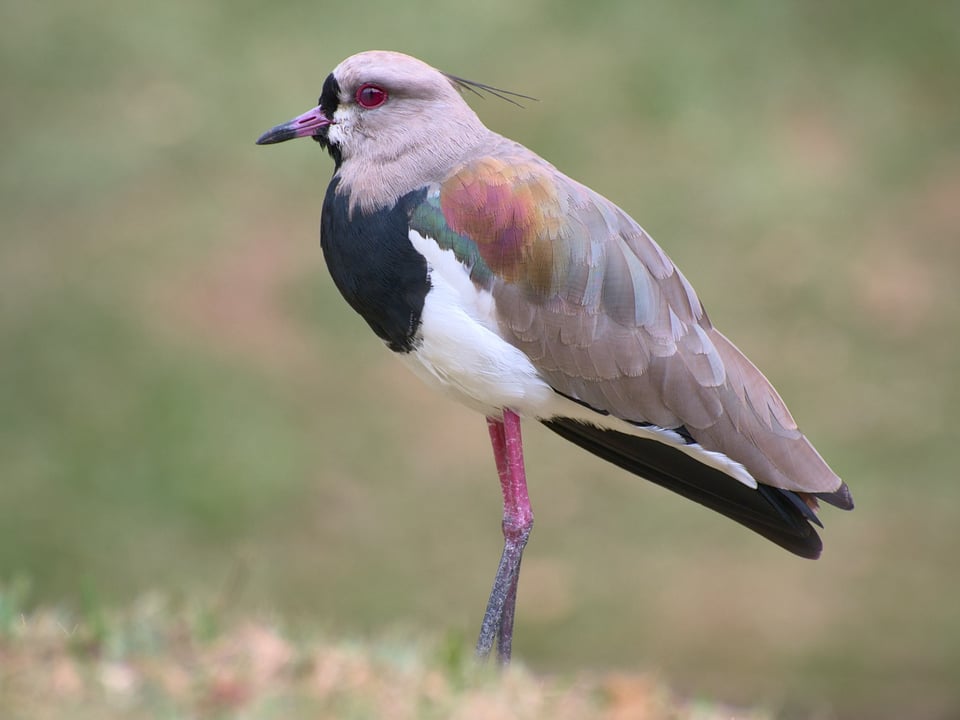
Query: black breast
<point>374,266</point>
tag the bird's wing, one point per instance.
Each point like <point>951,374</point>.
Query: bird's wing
<point>608,320</point>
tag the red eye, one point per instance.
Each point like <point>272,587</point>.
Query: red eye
<point>371,96</point>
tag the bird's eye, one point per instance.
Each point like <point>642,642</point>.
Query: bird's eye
<point>371,96</point>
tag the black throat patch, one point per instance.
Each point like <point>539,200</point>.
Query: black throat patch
<point>375,267</point>
<point>329,96</point>
<point>329,102</point>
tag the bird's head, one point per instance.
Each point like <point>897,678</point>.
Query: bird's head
<point>390,122</point>
<point>379,105</point>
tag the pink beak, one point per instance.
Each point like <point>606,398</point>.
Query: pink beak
<point>301,126</point>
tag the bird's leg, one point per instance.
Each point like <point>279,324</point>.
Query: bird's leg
<point>517,523</point>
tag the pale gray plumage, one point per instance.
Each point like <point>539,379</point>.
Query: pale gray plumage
<point>425,134</point>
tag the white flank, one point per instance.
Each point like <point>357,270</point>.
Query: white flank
<point>462,355</point>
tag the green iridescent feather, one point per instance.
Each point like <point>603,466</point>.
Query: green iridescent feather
<point>428,220</point>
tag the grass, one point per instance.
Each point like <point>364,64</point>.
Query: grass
<point>162,659</point>
<point>185,399</point>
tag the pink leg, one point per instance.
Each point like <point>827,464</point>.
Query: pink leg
<point>517,523</point>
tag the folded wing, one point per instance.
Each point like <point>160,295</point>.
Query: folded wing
<point>610,322</point>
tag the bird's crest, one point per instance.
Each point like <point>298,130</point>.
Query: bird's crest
<point>479,89</point>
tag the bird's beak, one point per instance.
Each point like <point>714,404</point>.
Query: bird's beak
<point>308,124</point>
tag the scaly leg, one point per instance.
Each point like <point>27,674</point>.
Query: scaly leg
<point>517,523</point>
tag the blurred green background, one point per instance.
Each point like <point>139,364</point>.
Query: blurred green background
<point>187,405</point>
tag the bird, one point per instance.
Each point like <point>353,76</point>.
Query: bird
<point>521,293</point>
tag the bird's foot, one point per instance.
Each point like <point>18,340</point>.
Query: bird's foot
<point>497,626</point>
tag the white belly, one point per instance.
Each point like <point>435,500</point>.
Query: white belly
<point>461,353</point>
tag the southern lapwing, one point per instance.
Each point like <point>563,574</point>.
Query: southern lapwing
<point>521,293</point>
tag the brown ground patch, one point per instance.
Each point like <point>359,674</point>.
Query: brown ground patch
<point>254,669</point>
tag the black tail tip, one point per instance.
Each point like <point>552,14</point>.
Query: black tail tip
<point>840,498</point>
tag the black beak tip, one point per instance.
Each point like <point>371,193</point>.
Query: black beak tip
<point>278,134</point>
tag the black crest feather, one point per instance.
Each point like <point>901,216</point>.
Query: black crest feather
<point>479,89</point>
